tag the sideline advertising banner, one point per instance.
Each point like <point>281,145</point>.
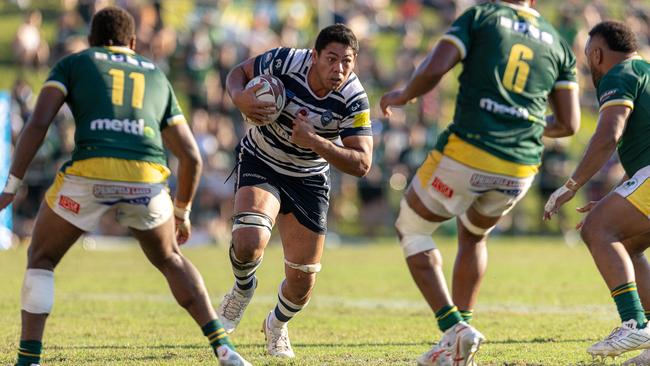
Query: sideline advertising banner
<point>5,161</point>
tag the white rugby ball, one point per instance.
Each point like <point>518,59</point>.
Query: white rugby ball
<point>272,90</point>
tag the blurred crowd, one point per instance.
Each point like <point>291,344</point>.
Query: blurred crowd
<point>197,42</point>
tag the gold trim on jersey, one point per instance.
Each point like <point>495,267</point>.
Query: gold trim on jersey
<point>474,157</point>
<point>56,84</point>
<point>565,85</point>
<point>53,191</point>
<point>456,42</point>
<point>614,102</point>
<point>519,8</point>
<point>178,119</point>
<point>119,170</point>
<point>120,49</point>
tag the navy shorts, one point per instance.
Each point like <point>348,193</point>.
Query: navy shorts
<point>307,198</point>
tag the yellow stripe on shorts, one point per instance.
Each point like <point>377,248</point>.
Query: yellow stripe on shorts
<point>640,198</point>
<point>425,171</point>
<point>470,155</point>
<point>53,191</point>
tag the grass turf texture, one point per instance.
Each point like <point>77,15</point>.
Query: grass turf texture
<point>542,303</point>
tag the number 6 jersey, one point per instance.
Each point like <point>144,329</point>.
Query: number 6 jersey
<point>512,59</point>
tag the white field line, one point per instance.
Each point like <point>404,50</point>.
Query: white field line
<point>362,303</point>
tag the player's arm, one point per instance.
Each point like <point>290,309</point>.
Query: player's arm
<point>611,125</point>
<point>565,120</point>
<point>179,140</point>
<point>243,98</point>
<point>427,75</point>
<point>48,104</point>
<point>354,157</point>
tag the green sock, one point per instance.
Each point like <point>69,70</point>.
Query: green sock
<point>628,303</point>
<point>216,335</point>
<point>29,353</point>
<point>447,317</point>
<point>467,315</point>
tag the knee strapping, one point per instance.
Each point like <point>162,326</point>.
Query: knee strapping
<point>252,219</point>
<point>479,231</point>
<point>243,269</point>
<point>37,294</point>
<point>415,231</point>
<point>307,268</point>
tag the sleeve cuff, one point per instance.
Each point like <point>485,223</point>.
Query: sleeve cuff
<point>56,84</point>
<point>456,42</point>
<point>615,102</point>
<point>565,85</point>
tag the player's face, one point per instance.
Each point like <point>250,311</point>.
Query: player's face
<point>594,54</point>
<point>334,65</point>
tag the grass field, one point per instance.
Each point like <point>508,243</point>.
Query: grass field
<point>542,303</point>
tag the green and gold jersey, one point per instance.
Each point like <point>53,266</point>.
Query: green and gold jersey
<point>120,102</point>
<point>512,59</point>
<point>628,84</point>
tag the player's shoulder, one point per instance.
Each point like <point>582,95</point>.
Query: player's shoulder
<point>283,60</point>
<point>629,69</point>
<point>352,89</point>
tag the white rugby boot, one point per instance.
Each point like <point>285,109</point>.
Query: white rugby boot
<point>643,359</point>
<point>229,357</point>
<point>462,341</point>
<point>436,356</point>
<point>622,339</point>
<point>277,339</point>
<point>233,305</point>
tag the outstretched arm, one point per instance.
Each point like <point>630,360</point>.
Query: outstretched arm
<point>611,124</point>
<point>48,104</point>
<point>427,75</point>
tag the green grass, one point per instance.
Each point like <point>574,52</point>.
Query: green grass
<point>542,303</point>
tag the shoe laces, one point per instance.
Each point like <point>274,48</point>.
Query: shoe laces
<point>280,338</point>
<point>233,307</point>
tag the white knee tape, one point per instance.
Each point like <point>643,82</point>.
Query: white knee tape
<point>37,295</point>
<point>252,219</point>
<point>415,231</point>
<point>307,268</point>
<point>479,231</point>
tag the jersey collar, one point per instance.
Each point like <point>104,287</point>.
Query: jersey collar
<point>519,7</point>
<point>120,49</point>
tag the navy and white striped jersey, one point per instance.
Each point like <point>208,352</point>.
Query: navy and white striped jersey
<point>341,113</point>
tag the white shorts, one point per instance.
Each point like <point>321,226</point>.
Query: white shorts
<point>82,202</point>
<point>448,188</point>
<point>637,190</point>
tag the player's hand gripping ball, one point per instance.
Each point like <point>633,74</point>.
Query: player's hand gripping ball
<point>272,90</point>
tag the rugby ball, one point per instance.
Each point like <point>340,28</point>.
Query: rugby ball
<point>272,90</point>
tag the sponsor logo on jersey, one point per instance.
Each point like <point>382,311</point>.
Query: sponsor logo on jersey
<point>69,204</point>
<point>607,94</point>
<point>495,107</point>
<point>124,58</point>
<point>131,127</point>
<point>441,187</point>
<point>266,61</point>
<point>630,183</point>
<point>527,29</point>
<point>111,191</point>
<point>326,117</point>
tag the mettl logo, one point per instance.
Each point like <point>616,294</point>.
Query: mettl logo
<point>439,186</point>
<point>69,204</point>
<point>132,127</point>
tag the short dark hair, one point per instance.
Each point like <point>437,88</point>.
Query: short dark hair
<point>619,37</point>
<point>338,33</point>
<point>112,26</point>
